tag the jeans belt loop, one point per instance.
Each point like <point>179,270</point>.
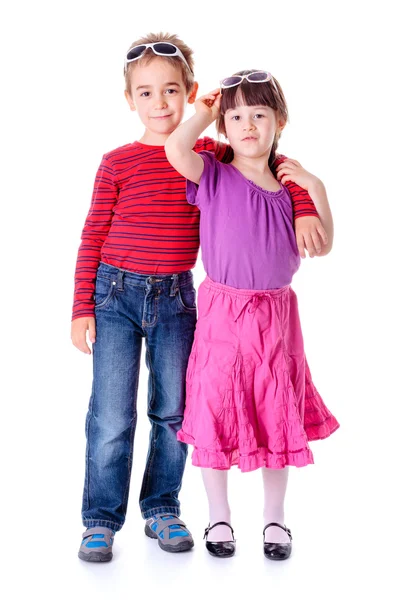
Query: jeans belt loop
<point>120,281</point>
<point>174,285</point>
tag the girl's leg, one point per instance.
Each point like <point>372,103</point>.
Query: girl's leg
<point>275,484</point>
<point>216,484</point>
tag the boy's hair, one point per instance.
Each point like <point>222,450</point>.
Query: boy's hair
<point>149,55</point>
<point>254,94</point>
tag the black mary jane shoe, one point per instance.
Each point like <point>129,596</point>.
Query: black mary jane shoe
<point>277,551</point>
<point>220,549</point>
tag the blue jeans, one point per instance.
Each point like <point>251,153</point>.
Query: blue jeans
<point>130,307</point>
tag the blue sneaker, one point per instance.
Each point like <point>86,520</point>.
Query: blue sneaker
<point>171,533</point>
<point>97,544</point>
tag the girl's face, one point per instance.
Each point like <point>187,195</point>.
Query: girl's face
<point>251,130</point>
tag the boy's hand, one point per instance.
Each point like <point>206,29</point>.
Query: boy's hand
<point>291,170</point>
<point>310,236</point>
<point>79,328</point>
<point>209,105</point>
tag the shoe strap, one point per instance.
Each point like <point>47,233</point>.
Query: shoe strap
<point>165,524</point>
<point>286,529</point>
<point>108,533</point>
<point>208,529</point>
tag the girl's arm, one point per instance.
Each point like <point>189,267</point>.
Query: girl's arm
<point>179,146</point>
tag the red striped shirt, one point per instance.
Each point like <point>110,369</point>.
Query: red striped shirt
<point>139,219</point>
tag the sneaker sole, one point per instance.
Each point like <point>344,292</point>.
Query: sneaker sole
<point>95,557</point>
<point>183,546</point>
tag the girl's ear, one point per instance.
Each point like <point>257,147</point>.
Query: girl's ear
<point>281,125</point>
<point>220,126</point>
<point>193,93</point>
<point>130,101</point>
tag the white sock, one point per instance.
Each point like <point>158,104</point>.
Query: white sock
<point>216,484</point>
<point>275,484</point>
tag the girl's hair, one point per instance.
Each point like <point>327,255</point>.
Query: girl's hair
<point>149,55</point>
<point>254,94</point>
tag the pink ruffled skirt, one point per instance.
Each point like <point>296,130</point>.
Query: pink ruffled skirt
<point>250,398</point>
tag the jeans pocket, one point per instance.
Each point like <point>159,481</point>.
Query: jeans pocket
<point>105,290</point>
<point>191,367</point>
<point>186,298</point>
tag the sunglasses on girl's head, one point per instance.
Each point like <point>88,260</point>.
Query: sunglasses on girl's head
<point>159,48</point>
<point>255,77</point>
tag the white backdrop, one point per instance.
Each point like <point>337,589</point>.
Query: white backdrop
<point>62,108</point>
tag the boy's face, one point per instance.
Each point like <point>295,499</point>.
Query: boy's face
<point>159,95</point>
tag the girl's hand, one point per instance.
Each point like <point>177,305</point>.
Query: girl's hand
<point>291,170</point>
<point>209,105</point>
<point>310,236</point>
<point>79,328</point>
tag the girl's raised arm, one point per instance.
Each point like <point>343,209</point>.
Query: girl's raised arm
<point>179,145</point>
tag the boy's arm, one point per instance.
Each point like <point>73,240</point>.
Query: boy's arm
<point>303,206</point>
<point>94,233</point>
<point>178,146</point>
<point>310,231</point>
<point>318,193</point>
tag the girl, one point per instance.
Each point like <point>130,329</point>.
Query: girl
<point>250,398</point>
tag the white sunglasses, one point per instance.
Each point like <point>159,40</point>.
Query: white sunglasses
<point>159,48</point>
<point>254,77</point>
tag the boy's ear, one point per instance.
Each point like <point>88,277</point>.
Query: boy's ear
<point>193,93</point>
<point>129,100</point>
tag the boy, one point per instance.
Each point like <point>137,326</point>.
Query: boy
<point>133,281</point>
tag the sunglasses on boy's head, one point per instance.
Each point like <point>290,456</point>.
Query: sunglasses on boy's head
<point>159,48</point>
<point>255,77</point>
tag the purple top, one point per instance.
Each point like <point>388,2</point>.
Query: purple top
<point>246,233</point>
